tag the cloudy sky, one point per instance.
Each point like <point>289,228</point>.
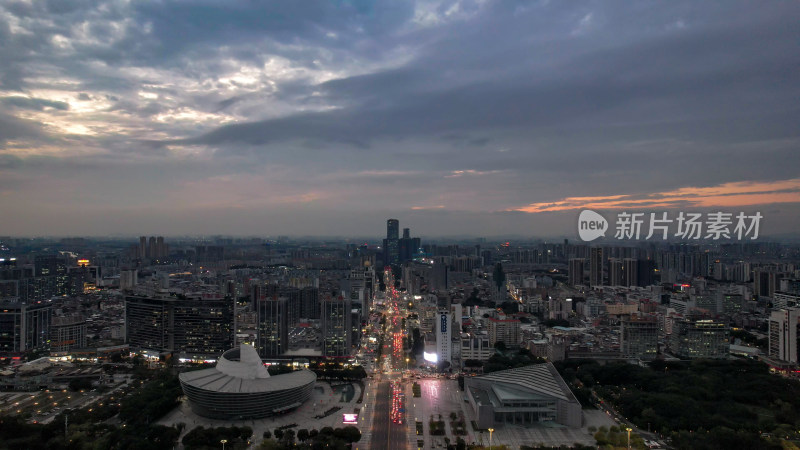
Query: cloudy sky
<point>455,117</point>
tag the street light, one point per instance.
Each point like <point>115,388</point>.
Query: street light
<point>629,437</point>
<point>407,364</point>
<point>223,442</point>
<point>491,430</point>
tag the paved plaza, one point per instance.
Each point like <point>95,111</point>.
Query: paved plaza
<point>439,396</point>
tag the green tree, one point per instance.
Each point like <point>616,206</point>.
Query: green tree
<point>303,434</point>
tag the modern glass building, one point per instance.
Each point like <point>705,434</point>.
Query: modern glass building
<point>239,387</point>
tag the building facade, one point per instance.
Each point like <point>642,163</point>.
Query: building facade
<point>194,327</point>
<point>638,338</point>
<point>699,339</point>
<point>336,318</point>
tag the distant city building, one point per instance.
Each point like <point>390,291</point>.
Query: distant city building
<point>630,272</point>
<point>576,271</point>
<point>615,272</point>
<point>67,332</point>
<point>765,282</point>
<point>638,338</point>
<point>128,279</point>
<point>645,271</point>
<point>504,330</point>
<point>476,347</point>
<point>391,245</point>
<point>596,266</point>
<point>700,339</point>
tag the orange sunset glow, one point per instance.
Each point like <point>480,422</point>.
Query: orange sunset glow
<point>724,195</point>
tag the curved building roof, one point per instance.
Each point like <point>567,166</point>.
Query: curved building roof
<point>239,386</point>
<point>248,366</point>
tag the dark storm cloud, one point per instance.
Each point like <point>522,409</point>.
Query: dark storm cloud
<point>34,103</point>
<point>12,128</point>
<point>727,83</point>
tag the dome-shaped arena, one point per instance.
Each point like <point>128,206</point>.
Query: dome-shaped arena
<point>239,387</point>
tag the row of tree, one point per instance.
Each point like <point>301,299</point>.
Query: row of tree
<point>326,438</point>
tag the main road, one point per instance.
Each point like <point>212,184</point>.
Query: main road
<point>387,431</point>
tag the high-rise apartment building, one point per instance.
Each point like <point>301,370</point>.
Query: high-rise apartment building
<point>596,266</point>
<point>336,326</point>
<point>272,338</point>
<point>615,272</point>
<point>576,271</point>
<point>504,330</point>
<point>784,331</point>
<point>444,342</point>
<point>630,271</point>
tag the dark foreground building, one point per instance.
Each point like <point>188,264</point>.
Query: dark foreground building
<point>239,387</point>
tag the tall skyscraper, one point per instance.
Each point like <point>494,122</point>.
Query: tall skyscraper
<point>630,271</point>
<point>392,229</point>
<point>142,247</point>
<point>644,272</point>
<point>161,248</point>
<point>391,245</point>
<point>336,327</point>
<point>272,327</point>
<point>765,282</point>
<point>596,266</point>
<point>576,271</point>
<point>443,340</point>
<point>615,272</point>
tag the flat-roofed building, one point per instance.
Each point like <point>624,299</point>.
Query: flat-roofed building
<point>504,330</point>
<point>699,339</point>
<point>638,338</point>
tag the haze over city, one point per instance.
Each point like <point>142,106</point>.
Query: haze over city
<point>458,117</point>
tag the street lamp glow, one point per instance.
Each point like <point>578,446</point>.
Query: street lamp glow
<point>629,437</point>
<point>223,442</point>
<point>491,430</point>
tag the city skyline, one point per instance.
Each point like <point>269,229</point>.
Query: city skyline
<point>458,118</point>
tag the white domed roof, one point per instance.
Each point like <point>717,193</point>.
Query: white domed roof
<point>249,366</point>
